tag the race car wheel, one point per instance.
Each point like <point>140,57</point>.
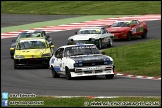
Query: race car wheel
<point>15,67</point>
<point>100,44</point>
<point>109,76</point>
<point>129,37</point>
<point>52,51</point>
<point>110,42</point>
<point>68,75</point>
<point>54,73</point>
<point>144,35</point>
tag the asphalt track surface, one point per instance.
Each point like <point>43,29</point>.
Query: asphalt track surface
<point>40,82</point>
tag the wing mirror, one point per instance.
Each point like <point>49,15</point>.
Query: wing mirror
<point>76,32</point>
<point>52,46</point>
<point>12,48</point>
<point>48,36</point>
<point>14,40</point>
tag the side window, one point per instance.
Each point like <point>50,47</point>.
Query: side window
<point>59,53</point>
<point>103,31</point>
<point>43,34</point>
<point>135,22</point>
<point>138,22</point>
<point>68,52</point>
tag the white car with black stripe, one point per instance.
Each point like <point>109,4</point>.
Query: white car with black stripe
<point>81,60</point>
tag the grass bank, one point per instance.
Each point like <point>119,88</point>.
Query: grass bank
<point>83,101</point>
<point>81,7</point>
<point>138,59</point>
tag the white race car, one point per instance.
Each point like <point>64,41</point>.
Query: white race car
<point>81,60</point>
<point>92,35</point>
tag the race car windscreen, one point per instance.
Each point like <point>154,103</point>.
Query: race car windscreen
<point>93,31</point>
<point>31,45</point>
<point>81,50</point>
<point>29,35</point>
<point>120,24</point>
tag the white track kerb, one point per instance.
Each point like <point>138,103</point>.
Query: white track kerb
<point>136,76</point>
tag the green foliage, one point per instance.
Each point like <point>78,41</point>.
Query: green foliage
<point>81,7</point>
<point>138,59</point>
<point>80,101</point>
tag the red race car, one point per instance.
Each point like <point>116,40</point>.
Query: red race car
<point>128,29</point>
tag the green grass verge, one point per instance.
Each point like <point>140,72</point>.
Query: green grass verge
<point>138,59</point>
<point>81,7</point>
<point>57,22</point>
<point>83,101</point>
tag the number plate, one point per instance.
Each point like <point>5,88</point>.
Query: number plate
<point>93,71</point>
<point>93,68</point>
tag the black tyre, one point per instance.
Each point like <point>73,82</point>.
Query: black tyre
<point>15,67</point>
<point>144,35</point>
<point>54,73</point>
<point>100,44</point>
<point>110,42</point>
<point>109,76</point>
<point>52,51</point>
<point>68,75</point>
<point>129,36</point>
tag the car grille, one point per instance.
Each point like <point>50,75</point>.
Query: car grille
<point>92,63</point>
<point>33,61</point>
<point>96,71</point>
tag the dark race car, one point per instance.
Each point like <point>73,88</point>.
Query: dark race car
<point>29,34</point>
<point>128,29</point>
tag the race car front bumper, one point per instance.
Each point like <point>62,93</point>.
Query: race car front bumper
<point>93,71</point>
<point>32,62</point>
<point>119,36</point>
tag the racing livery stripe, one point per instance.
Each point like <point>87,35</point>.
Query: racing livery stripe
<point>72,26</point>
<point>57,68</point>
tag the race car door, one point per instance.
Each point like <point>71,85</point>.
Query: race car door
<point>137,29</point>
<point>104,36</point>
<point>58,61</point>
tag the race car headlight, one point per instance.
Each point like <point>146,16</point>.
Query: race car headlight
<point>107,61</point>
<point>44,55</point>
<point>110,62</point>
<point>19,57</point>
<point>78,63</point>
